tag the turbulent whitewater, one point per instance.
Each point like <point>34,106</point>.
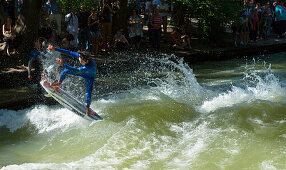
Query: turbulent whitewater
<point>162,114</point>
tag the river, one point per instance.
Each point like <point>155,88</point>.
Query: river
<point>165,114</point>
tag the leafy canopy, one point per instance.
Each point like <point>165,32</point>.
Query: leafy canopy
<point>212,15</point>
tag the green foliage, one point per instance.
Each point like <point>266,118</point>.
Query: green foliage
<point>212,15</point>
<point>67,5</point>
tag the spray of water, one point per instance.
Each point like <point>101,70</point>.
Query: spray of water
<point>258,84</point>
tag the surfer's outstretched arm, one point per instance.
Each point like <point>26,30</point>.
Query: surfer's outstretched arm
<point>68,53</point>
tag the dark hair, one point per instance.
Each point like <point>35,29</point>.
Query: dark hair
<point>84,55</point>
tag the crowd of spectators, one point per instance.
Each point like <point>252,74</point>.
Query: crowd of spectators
<point>9,12</point>
<point>92,29</point>
<point>257,21</point>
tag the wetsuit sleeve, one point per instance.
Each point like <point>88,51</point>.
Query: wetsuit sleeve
<point>67,52</point>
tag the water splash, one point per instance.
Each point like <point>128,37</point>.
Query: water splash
<point>258,85</point>
<point>42,118</point>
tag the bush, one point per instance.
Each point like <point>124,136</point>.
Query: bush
<point>212,15</point>
<point>67,5</point>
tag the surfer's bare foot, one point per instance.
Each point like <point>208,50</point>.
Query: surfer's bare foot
<point>87,111</point>
<point>56,84</point>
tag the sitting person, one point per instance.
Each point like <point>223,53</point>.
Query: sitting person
<point>8,34</point>
<point>102,46</point>
<point>120,42</point>
<point>175,36</point>
<point>189,28</point>
<point>184,41</point>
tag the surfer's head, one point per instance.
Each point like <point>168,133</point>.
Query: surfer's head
<point>83,58</point>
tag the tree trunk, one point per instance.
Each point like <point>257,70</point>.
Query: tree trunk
<point>31,11</point>
<point>120,22</point>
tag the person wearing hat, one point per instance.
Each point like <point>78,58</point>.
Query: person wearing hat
<point>87,71</point>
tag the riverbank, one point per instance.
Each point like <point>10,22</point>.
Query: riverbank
<point>15,94</point>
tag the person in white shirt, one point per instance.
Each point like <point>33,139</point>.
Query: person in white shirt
<point>72,27</point>
<point>163,12</point>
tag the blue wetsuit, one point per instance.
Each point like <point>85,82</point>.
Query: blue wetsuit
<point>88,72</point>
<point>35,57</point>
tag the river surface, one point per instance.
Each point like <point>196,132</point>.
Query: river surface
<point>165,114</point>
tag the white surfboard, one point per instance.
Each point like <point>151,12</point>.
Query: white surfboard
<point>68,101</point>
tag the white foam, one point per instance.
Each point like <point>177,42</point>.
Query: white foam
<point>267,89</point>
<point>13,120</point>
<point>194,141</point>
<point>268,165</point>
<point>47,119</point>
<point>43,118</point>
<point>236,95</point>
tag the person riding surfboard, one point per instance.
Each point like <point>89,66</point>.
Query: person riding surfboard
<point>87,71</point>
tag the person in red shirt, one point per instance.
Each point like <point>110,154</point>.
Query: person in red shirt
<point>255,26</point>
<point>156,22</point>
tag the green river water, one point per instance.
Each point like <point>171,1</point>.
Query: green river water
<point>169,115</point>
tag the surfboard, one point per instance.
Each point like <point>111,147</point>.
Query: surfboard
<point>68,101</point>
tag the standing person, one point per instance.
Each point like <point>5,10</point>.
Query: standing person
<point>106,22</point>
<point>8,34</point>
<point>252,4</point>
<point>115,16</point>
<point>244,29</point>
<point>2,13</point>
<point>93,23</point>
<point>269,19</point>
<point>163,12</point>
<point>83,28</point>
<point>9,11</point>
<point>87,71</point>
<point>136,29</point>
<point>133,4</point>
<point>72,27</point>
<point>156,22</point>
<point>54,12</point>
<point>255,26</point>
<point>155,3</point>
<point>147,16</point>
<point>280,19</point>
<point>36,59</point>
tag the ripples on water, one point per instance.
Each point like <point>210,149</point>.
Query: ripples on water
<point>163,116</point>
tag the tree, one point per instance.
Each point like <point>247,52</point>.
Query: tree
<point>67,5</point>
<point>121,21</point>
<point>212,15</point>
<point>31,15</point>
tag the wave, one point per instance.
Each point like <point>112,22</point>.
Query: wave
<point>41,117</point>
<point>256,85</point>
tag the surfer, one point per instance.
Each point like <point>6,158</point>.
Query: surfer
<point>87,71</point>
